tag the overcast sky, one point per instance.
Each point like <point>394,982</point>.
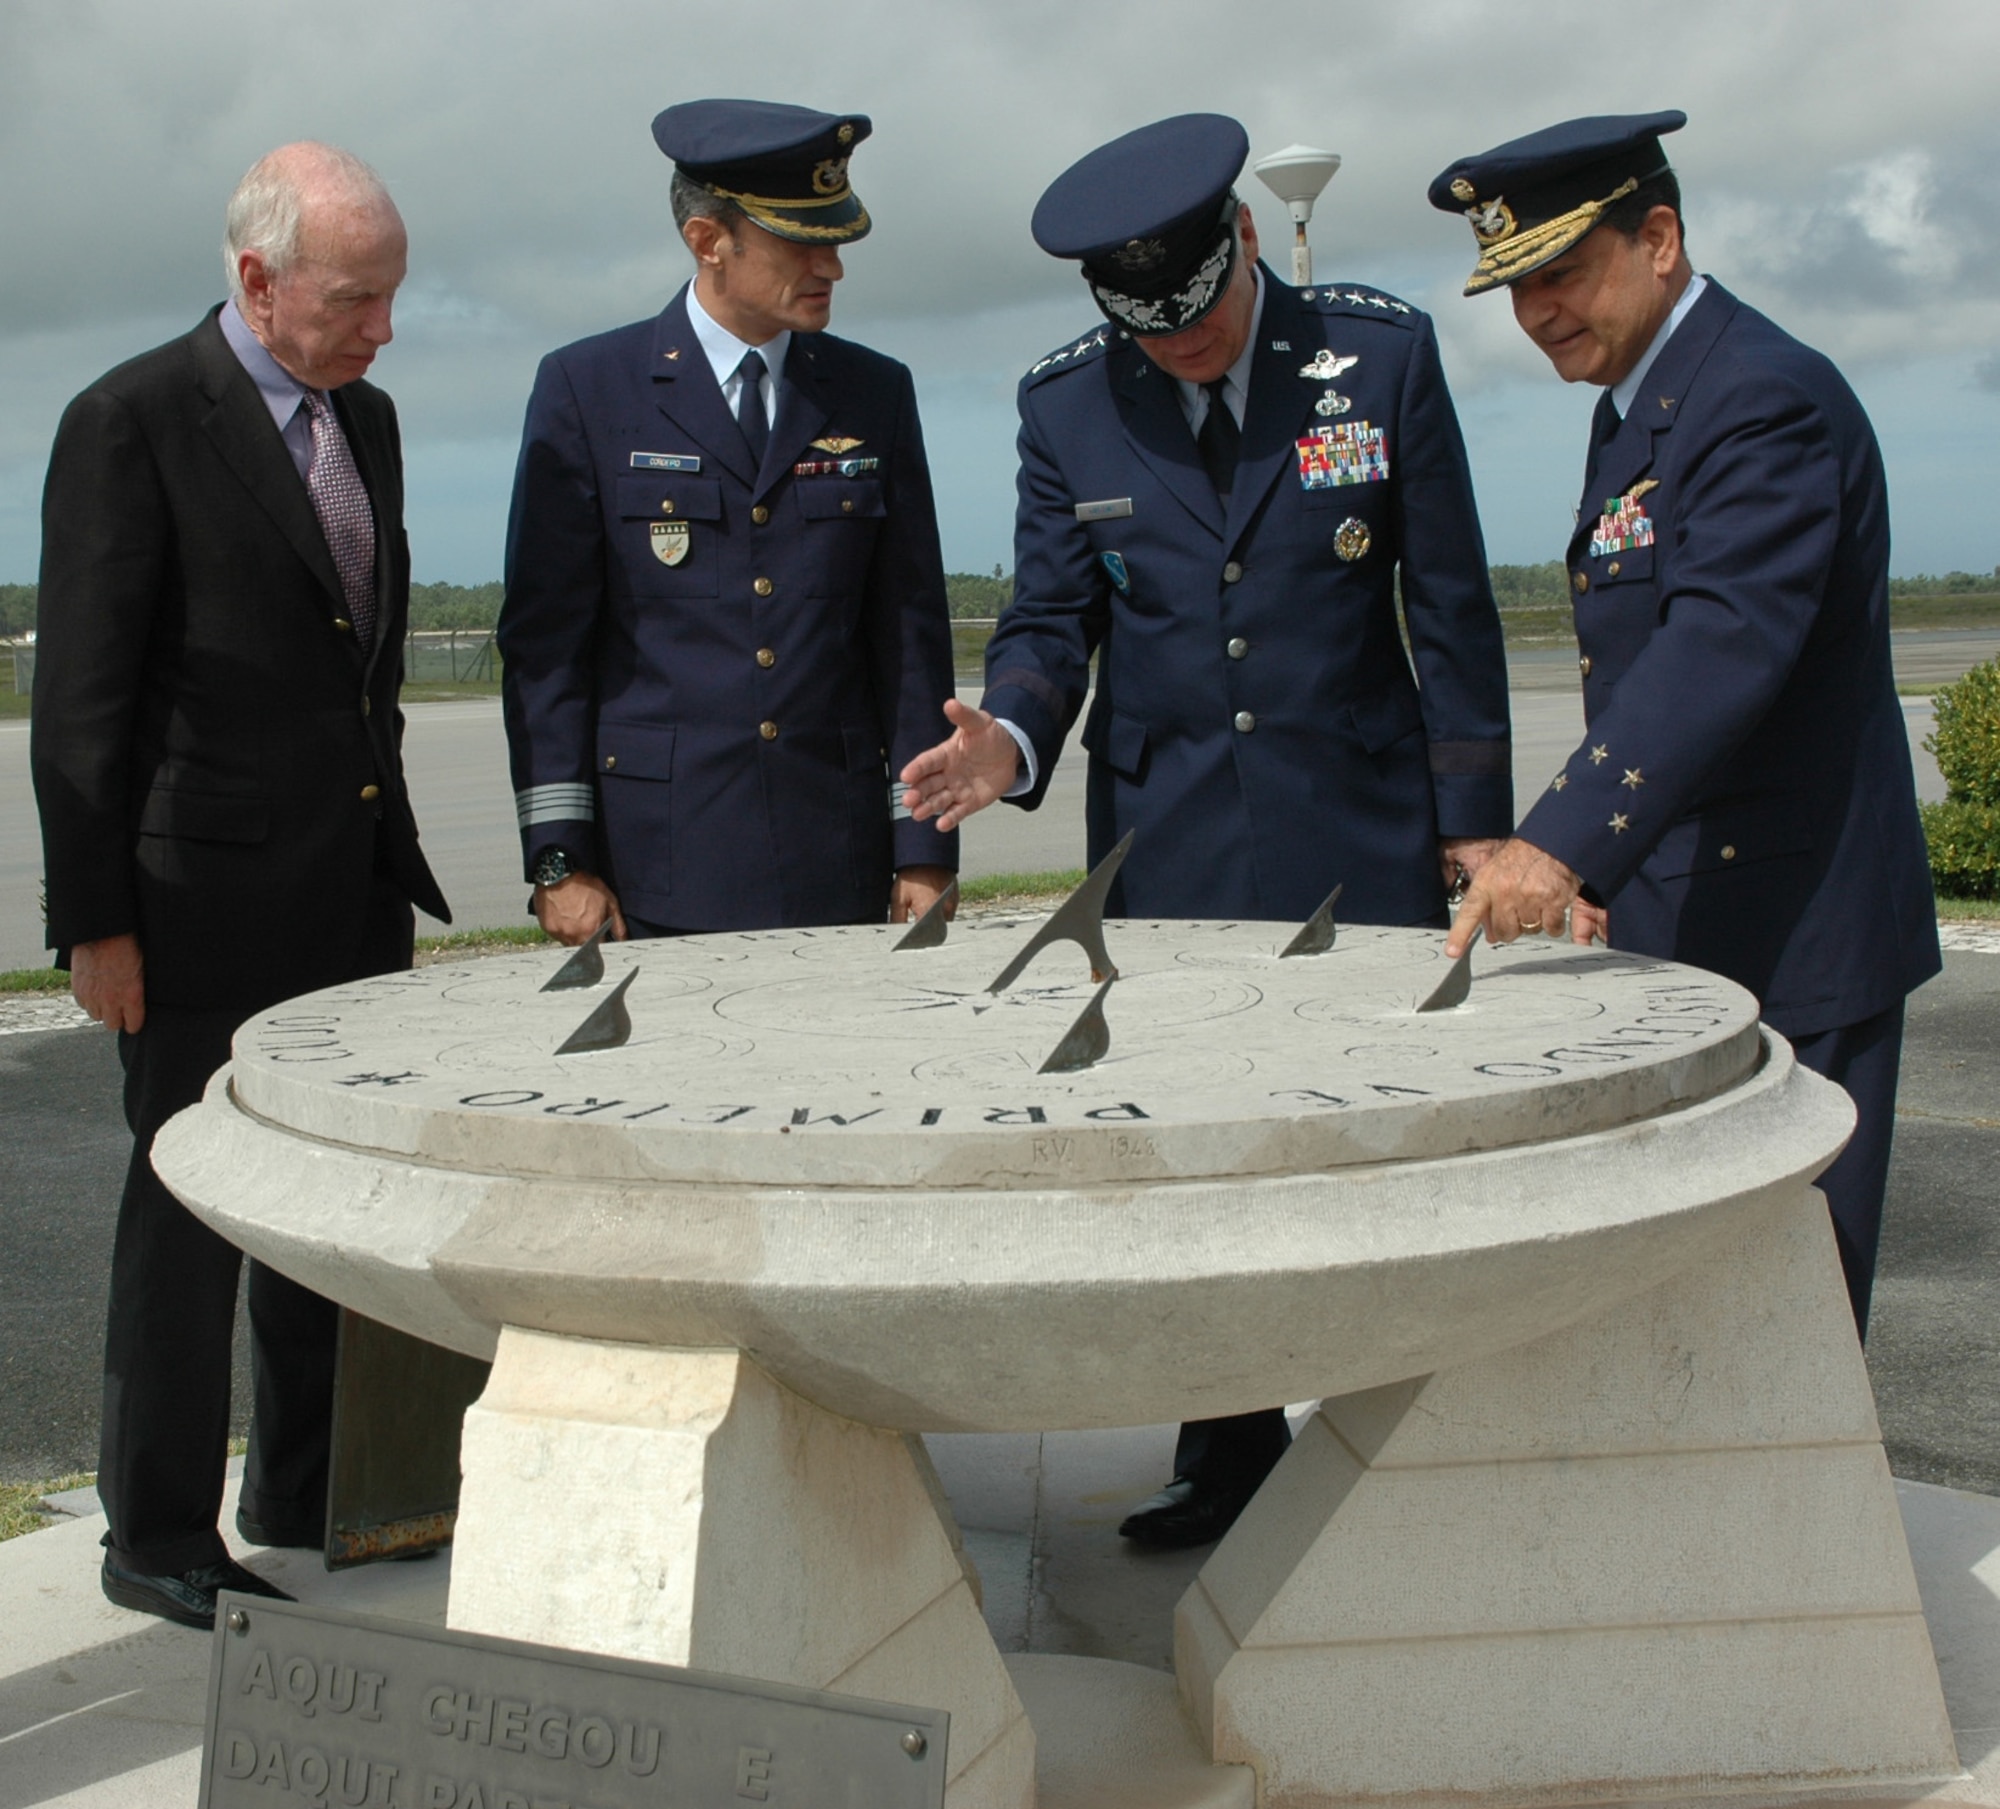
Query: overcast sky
<point>1839,165</point>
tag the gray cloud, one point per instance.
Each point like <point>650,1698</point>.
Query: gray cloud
<point>1833,166</point>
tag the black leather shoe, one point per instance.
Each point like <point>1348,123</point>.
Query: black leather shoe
<point>258,1532</point>
<point>188,1598</point>
<point>1186,1512</point>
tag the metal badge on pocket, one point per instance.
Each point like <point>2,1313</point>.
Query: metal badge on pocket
<point>670,541</point>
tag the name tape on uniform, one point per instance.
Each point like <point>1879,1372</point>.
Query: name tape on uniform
<point>1112,508</point>
<point>666,461</point>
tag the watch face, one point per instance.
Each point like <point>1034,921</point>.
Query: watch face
<point>552,867</point>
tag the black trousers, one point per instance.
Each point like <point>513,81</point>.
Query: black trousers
<point>1865,1058</point>
<point>170,1325</point>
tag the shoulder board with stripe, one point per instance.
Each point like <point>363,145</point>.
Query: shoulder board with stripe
<point>1077,351</point>
<point>1358,299</point>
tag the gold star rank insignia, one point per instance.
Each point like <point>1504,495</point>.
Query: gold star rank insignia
<point>1633,777</point>
<point>1620,823</point>
<point>1598,755</point>
<point>1559,781</point>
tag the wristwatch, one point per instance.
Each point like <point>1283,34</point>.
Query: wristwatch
<point>552,866</point>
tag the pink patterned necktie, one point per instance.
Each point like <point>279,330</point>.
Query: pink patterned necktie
<point>341,501</point>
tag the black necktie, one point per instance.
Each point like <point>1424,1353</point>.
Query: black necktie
<point>750,415</point>
<point>1218,440</point>
<point>1604,425</point>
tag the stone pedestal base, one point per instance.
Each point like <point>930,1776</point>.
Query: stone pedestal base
<point>1656,1554</point>
<point>729,1526</point>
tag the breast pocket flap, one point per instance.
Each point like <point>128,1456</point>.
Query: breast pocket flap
<point>838,498</point>
<point>669,496</point>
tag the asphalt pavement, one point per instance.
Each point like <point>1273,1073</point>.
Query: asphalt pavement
<point>456,757</point>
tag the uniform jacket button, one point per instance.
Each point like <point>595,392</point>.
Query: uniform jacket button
<point>760,515</point>
<point>762,587</point>
<point>610,763</point>
<point>765,657</point>
<point>1583,665</point>
<point>1728,852</point>
<point>1611,570</point>
<point>1245,721</point>
<point>666,505</point>
<point>1231,572</point>
<point>369,793</point>
<point>1581,580</point>
<point>1237,648</point>
<point>769,730</point>
<point>343,624</point>
<point>847,505</point>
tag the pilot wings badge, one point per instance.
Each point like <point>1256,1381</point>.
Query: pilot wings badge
<point>836,444</point>
<point>1327,365</point>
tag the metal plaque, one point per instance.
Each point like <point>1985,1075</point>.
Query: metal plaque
<point>312,1705</point>
<point>398,1406</point>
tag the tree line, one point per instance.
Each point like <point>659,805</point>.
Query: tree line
<point>975,594</point>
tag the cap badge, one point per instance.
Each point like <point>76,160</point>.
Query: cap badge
<point>836,444</point>
<point>1327,365</point>
<point>1462,190</point>
<point>1491,220</point>
<point>845,134</point>
<point>670,541</point>
<point>830,176</point>
<point>1351,540</point>
<point>1138,256</point>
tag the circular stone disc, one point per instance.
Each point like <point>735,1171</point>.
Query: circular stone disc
<point>808,1058</point>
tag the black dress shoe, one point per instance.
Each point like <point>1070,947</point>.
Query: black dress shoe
<point>188,1598</point>
<point>1186,1512</point>
<point>259,1532</point>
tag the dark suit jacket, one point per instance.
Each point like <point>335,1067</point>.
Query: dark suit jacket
<point>1744,799</point>
<point>218,766</point>
<point>712,672</point>
<point>1256,719</point>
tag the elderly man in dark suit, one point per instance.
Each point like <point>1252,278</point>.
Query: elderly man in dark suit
<point>725,622</point>
<point>216,755</point>
<point>1743,799</point>
<point>1220,487</point>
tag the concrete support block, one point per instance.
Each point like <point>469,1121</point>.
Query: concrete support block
<point>739,1529</point>
<point>1655,1552</point>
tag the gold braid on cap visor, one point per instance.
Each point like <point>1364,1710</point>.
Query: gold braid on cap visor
<point>763,208</point>
<point>1519,252</point>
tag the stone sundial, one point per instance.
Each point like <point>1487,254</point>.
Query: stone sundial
<point>1593,1415</point>
<point>789,1057</point>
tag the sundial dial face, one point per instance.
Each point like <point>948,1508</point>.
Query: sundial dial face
<point>796,1058</point>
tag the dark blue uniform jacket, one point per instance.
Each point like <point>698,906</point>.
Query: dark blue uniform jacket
<point>711,672</point>
<point>1744,798</point>
<point>1256,719</point>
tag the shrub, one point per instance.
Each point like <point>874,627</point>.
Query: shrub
<point>1964,831</point>
<point>1965,848</point>
<point>1966,739</point>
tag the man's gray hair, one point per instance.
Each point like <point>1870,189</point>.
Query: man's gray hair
<point>690,201</point>
<point>267,212</point>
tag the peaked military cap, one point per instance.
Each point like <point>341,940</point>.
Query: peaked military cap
<point>785,167</point>
<point>1152,217</point>
<point>1531,199</point>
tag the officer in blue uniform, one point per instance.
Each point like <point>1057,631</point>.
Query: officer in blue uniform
<point>1218,487</point>
<point>725,622</point>
<point>1743,799</point>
